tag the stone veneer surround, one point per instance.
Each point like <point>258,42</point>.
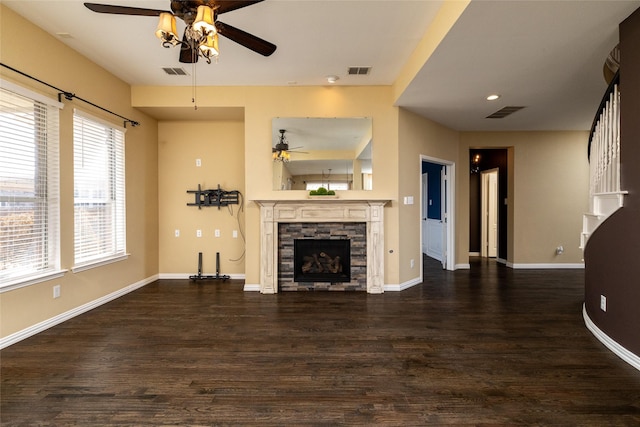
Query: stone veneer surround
<point>273,212</point>
<point>354,232</point>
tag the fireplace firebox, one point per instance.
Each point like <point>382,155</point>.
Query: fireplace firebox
<point>322,260</point>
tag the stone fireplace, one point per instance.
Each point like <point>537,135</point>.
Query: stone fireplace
<point>358,221</point>
<point>322,256</point>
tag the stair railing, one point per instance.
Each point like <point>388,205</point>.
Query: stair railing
<point>605,194</point>
<point>604,143</point>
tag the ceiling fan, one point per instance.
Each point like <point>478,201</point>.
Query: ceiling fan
<point>281,150</point>
<point>202,42</point>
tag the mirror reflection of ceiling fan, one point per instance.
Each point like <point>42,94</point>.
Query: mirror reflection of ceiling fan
<point>202,26</point>
<point>281,150</point>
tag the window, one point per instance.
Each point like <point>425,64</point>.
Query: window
<point>29,185</point>
<point>99,191</point>
<point>334,185</point>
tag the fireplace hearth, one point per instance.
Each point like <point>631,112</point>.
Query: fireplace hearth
<point>322,260</point>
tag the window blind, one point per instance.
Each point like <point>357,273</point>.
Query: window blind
<point>99,190</point>
<point>29,184</point>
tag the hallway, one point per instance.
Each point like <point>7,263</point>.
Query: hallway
<point>486,346</point>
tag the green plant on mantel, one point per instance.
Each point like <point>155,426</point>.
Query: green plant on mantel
<point>321,191</point>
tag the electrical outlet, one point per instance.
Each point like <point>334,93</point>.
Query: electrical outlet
<point>559,250</point>
<point>198,233</point>
<point>198,162</point>
<point>413,263</point>
<point>235,234</point>
<point>177,233</point>
<point>56,291</point>
<point>603,303</point>
<point>216,233</point>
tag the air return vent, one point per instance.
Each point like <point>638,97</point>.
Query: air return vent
<point>177,71</point>
<point>359,71</point>
<point>504,112</point>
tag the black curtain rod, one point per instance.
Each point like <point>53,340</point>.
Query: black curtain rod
<point>69,96</point>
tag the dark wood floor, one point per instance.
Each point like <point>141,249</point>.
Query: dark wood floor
<point>488,346</point>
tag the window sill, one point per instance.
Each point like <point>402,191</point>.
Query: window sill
<point>32,280</point>
<point>99,263</point>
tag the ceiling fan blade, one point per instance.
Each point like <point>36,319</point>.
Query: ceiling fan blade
<point>229,5</point>
<point>245,39</point>
<point>188,52</point>
<point>122,10</point>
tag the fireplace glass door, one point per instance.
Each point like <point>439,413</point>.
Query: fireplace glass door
<point>322,260</point>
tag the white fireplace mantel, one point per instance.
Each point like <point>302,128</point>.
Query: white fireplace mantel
<point>273,212</point>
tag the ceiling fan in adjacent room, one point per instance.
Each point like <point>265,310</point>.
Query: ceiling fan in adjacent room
<point>281,150</point>
<point>202,26</point>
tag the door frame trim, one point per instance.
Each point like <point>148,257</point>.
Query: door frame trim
<point>450,168</point>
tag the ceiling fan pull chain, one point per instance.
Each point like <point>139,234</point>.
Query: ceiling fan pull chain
<point>193,85</point>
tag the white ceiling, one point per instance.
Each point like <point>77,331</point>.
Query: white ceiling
<point>544,55</point>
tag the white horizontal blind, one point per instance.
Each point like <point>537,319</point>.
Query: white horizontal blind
<point>29,185</point>
<point>99,190</point>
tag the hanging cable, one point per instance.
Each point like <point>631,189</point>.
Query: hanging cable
<point>69,96</point>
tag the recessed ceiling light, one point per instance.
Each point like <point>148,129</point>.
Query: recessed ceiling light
<point>332,79</point>
<point>493,97</point>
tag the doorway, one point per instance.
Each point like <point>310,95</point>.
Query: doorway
<point>488,207</point>
<point>437,210</point>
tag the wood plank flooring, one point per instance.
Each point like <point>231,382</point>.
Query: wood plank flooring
<point>488,346</point>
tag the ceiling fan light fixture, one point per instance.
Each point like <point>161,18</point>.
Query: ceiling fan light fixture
<point>166,30</point>
<point>200,17</point>
<point>204,22</point>
<point>210,47</point>
<point>281,156</point>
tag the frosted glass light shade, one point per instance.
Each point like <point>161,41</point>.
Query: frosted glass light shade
<point>166,30</point>
<point>210,47</point>
<point>204,21</point>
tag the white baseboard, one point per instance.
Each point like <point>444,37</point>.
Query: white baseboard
<point>466,266</point>
<point>546,266</point>
<point>252,287</point>
<point>624,354</point>
<point>46,324</point>
<point>186,276</point>
<point>402,286</point>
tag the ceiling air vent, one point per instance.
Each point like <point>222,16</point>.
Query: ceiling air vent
<point>359,71</point>
<point>504,112</point>
<point>175,71</point>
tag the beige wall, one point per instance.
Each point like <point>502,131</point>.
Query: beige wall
<point>220,148</point>
<point>56,64</point>
<point>419,137</point>
<point>261,105</point>
<point>548,195</point>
